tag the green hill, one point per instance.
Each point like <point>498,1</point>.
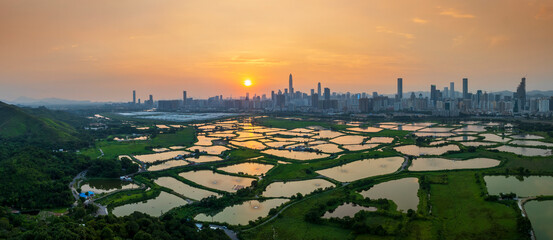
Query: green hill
<point>17,123</point>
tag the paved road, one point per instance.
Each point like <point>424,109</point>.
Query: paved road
<point>231,234</point>
<point>72,185</point>
<point>521,203</point>
<point>102,210</point>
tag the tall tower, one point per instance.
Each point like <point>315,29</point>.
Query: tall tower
<point>327,94</point>
<point>134,96</point>
<point>400,88</point>
<point>465,88</point>
<point>452,90</point>
<point>291,87</point>
<point>319,89</point>
<point>521,94</point>
<point>433,94</point>
<point>183,98</point>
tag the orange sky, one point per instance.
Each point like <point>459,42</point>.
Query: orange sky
<point>102,50</point>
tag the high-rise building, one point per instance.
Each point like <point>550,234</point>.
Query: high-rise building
<point>134,96</point>
<point>433,93</point>
<point>315,100</point>
<point>319,89</point>
<point>520,95</point>
<point>446,92</point>
<point>184,98</point>
<point>465,88</point>
<point>291,86</point>
<point>312,91</point>
<point>452,90</point>
<point>327,94</point>
<point>400,88</point>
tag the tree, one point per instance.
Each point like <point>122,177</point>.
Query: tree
<point>141,235</point>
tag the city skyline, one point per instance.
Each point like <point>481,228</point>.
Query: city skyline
<point>51,49</point>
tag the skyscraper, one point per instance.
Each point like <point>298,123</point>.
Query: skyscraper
<point>134,96</point>
<point>327,94</point>
<point>319,89</point>
<point>291,87</point>
<point>465,88</point>
<point>433,94</point>
<point>400,88</point>
<point>520,95</point>
<point>184,98</point>
<point>452,90</point>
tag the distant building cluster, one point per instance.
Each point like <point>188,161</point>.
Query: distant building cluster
<point>446,102</point>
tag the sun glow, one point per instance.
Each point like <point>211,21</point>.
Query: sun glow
<point>247,82</point>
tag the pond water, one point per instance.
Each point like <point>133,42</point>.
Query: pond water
<point>295,154</point>
<point>287,189</point>
<point>243,213</point>
<point>529,187</point>
<point>350,139</point>
<point>462,138</point>
<point>106,185</point>
<point>184,189</point>
<point>328,134</point>
<point>478,144</point>
<point>277,144</point>
<point>213,150</point>
<point>434,134</point>
<point>302,130</point>
<point>249,168</point>
<point>402,191</point>
<point>365,129</point>
<point>177,147</point>
<point>436,129</point>
<point>167,165</point>
<point>527,137</point>
<point>328,148</point>
<point>153,207</point>
<point>217,181</point>
<point>222,135</point>
<point>539,213</point>
<point>494,138</point>
<point>525,151</point>
<point>471,128</point>
<point>380,140</point>
<point>531,143</point>
<point>363,168</point>
<point>409,127</point>
<point>205,141</point>
<point>249,144</point>
<point>359,147</point>
<point>415,150</point>
<point>204,158</point>
<point>160,149</point>
<point>347,209</point>
<point>436,164</point>
<point>150,158</point>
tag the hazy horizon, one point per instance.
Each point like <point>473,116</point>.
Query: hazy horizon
<point>102,50</point>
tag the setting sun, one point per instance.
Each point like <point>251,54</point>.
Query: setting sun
<point>247,82</point>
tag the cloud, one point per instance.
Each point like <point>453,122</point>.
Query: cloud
<point>545,13</point>
<point>496,40</point>
<point>459,40</point>
<point>456,14</point>
<point>388,31</point>
<point>418,20</point>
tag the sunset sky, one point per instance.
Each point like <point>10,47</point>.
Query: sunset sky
<point>101,50</point>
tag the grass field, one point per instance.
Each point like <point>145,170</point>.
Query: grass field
<point>463,214</point>
<point>291,124</point>
<point>112,149</point>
